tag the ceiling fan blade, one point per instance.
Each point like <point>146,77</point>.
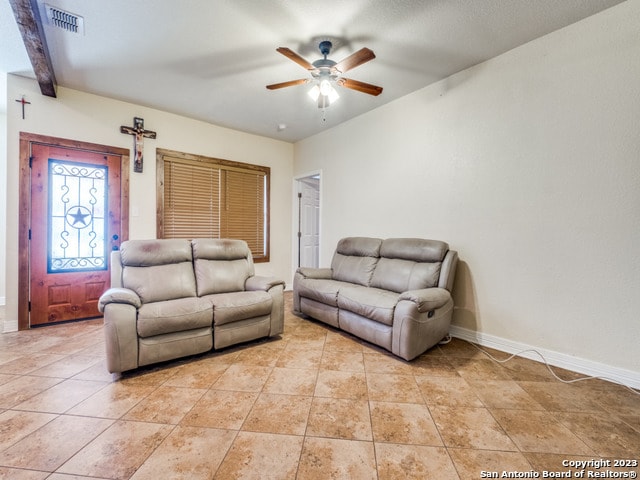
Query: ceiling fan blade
<point>290,83</point>
<point>359,86</point>
<point>355,59</point>
<point>291,55</point>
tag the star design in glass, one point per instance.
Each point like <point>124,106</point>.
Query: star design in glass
<point>79,217</point>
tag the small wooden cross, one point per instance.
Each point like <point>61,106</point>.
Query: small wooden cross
<point>23,102</point>
<point>138,147</point>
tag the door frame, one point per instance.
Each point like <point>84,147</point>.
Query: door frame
<point>24,209</point>
<point>297,215</point>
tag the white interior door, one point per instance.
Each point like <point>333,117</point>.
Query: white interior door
<point>309,221</point>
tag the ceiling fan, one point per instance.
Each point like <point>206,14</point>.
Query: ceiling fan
<point>325,73</point>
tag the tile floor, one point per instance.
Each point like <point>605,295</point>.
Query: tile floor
<point>313,404</point>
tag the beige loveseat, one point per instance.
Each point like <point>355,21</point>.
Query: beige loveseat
<point>394,293</point>
<point>172,298</point>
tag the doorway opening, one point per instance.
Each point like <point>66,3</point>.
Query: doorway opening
<point>308,220</point>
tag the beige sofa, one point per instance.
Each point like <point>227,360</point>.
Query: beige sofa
<point>172,298</point>
<point>394,293</point>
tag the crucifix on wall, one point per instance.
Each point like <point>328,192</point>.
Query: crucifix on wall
<point>138,147</point>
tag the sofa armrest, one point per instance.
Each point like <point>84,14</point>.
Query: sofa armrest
<point>258,282</point>
<point>427,299</point>
<point>119,295</point>
<point>319,273</point>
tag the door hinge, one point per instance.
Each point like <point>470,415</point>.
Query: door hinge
<point>29,305</point>
<point>30,161</point>
<point>29,234</point>
<point>299,193</point>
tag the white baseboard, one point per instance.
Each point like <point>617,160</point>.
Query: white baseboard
<point>557,359</point>
<point>9,326</point>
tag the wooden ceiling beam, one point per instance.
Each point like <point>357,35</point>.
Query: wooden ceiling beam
<point>30,25</point>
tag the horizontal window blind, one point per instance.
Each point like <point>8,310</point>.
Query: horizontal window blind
<point>212,198</point>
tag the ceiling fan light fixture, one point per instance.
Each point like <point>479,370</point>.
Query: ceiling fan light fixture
<point>324,93</point>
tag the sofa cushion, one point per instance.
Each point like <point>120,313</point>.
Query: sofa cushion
<point>401,275</point>
<point>325,291</point>
<point>172,316</point>
<point>373,303</point>
<point>355,259</point>
<point>416,249</point>
<point>162,282</point>
<point>158,270</point>
<point>235,306</point>
<point>221,265</point>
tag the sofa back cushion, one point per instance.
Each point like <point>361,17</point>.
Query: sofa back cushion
<point>158,269</point>
<point>409,264</point>
<point>221,265</point>
<point>355,259</point>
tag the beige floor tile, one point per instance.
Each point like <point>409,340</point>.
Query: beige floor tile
<point>339,418</point>
<point>165,405</point>
<point>187,453</point>
<point>297,357</point>
<point>555,396</point>
<point>260,355</point>
<point>291,381</point>
<point>406,423</point>
<point>504,394</point>
<point>386,363</point>
<point>451,391</point>
<point>285,414</point>
<point>21,474</point>
<point>243,378</point>
<point>471,464</point>
<point>324,458</point>
<point>29,363</point>
<point>618,400</point>
<point>68,366</point>
<point>220,409</point>
<point>460,349</point>
<point>467,427</point>
<point>198,374</point>
<point>15,425</point>
<point>119,451</point>
<point>526,370</point>
<point>605,434</point>
<point>337,340</point>
<point>50,446</point>
<point>97,372</point>
<point>540,432</point>
<point>337,384</point>
<point>433,366</point>
<point>112,401</point>
<point>343,361</point>
<point>363,413</point>
<point>389,387</point>
<point>62,396</point>
<point>261,456</point>
<point>413,462</point>
<point>479,369</point>
<point>21,388</point>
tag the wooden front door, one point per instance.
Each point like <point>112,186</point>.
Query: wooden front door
<point>75,222</point>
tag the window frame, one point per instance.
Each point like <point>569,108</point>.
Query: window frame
<point>212,162</point>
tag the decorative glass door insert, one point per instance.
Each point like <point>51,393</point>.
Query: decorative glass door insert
<point>77,224</point>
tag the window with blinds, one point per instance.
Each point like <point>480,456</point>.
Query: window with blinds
<point>202,197</point>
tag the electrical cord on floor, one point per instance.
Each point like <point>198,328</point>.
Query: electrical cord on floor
<point>448,338</point>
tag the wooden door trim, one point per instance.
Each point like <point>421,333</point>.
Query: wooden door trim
<point>24,209</point>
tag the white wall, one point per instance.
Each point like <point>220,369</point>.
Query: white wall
<point>95,119</point>
<point>529,166</point>
<point>3,183</point>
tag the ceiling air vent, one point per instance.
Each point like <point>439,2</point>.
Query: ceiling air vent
<point>65,20</point>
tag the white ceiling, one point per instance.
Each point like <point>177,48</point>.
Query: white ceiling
<point>211,59</point>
